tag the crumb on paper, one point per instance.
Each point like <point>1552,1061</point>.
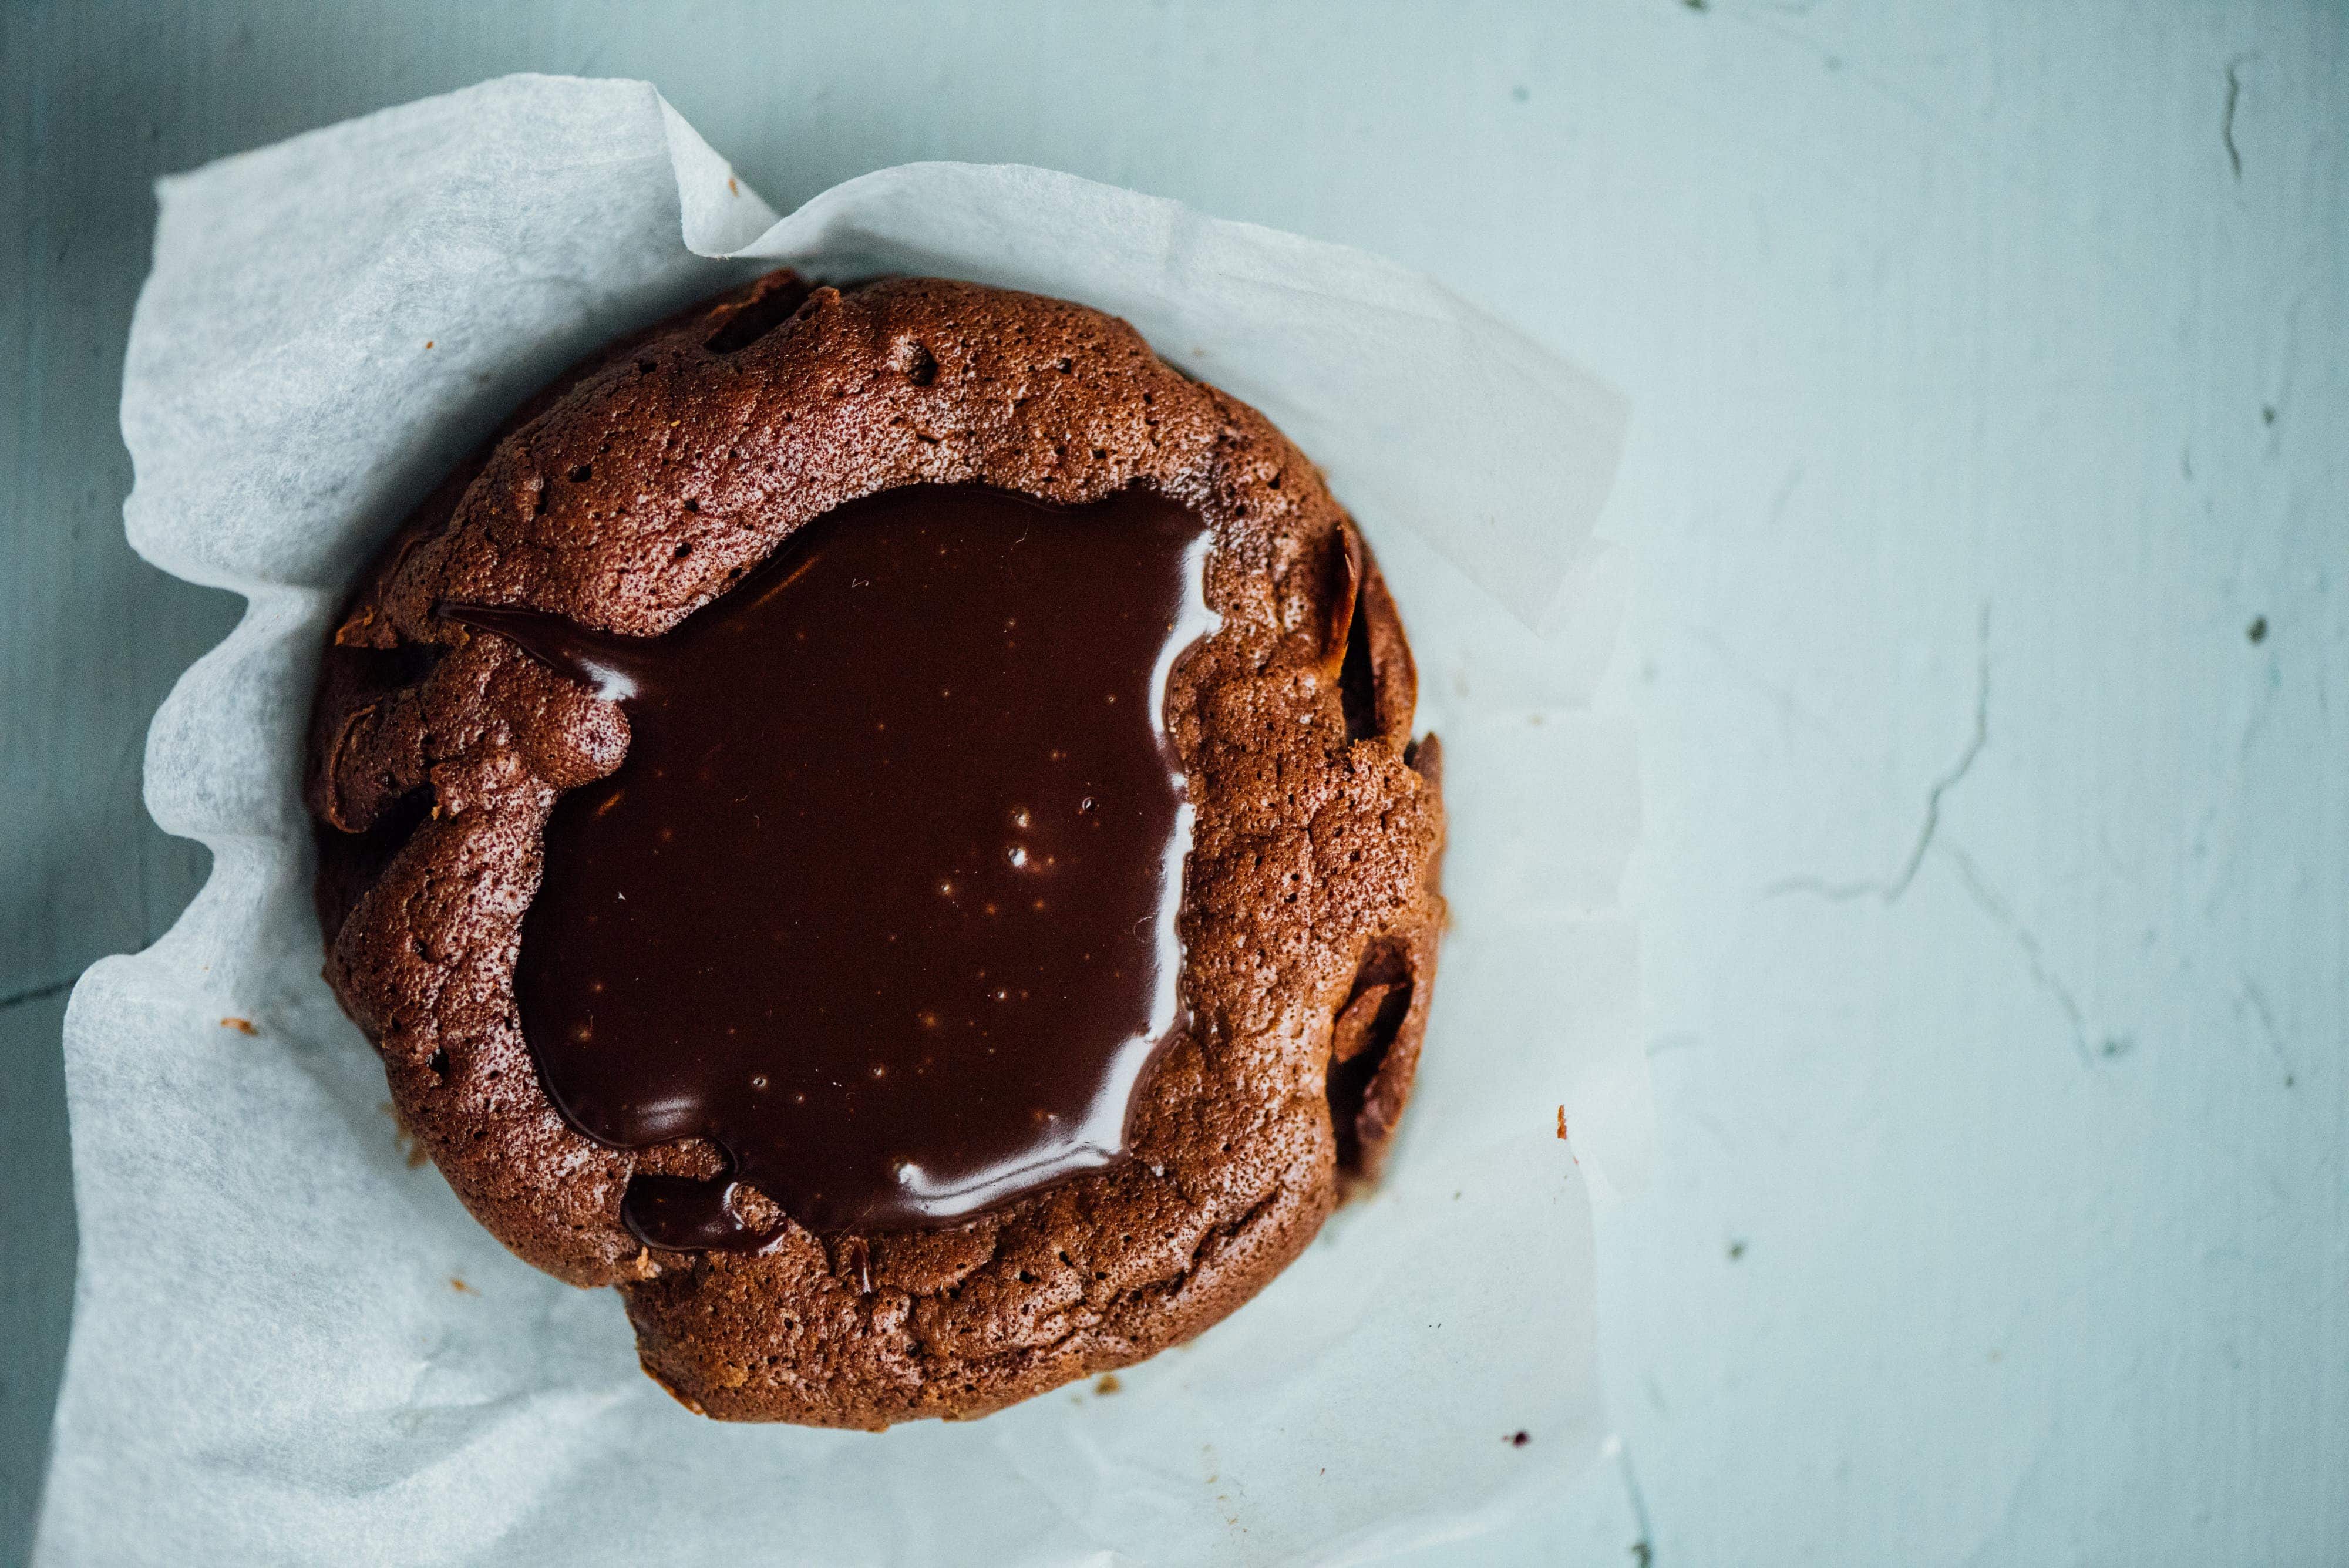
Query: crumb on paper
<point>731,188</point>
<point>241,1025</point>
<point>428,343</point>
<point>1736,1251</point>
<point>2258,630</point>
<point>413,1151</point>
<point>1107,1383</point>
<point>1561,1121</point>
<point>1519,1438</point>
<point>460,1287</point>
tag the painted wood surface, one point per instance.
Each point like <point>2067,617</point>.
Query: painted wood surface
<point>1986,482</point>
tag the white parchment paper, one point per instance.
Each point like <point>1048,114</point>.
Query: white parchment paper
<point>292,1345</point>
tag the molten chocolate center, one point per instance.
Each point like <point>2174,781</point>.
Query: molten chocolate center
<point>883,900</point>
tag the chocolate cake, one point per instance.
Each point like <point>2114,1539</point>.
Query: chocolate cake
<point>882,822</point>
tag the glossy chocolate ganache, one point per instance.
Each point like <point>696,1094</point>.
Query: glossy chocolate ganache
<point>881,902</point>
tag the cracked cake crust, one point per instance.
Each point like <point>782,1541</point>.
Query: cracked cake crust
<point>637,488</point>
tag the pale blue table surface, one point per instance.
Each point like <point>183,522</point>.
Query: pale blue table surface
<point>1986,486</point>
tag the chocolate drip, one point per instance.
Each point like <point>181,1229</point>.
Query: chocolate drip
<point>881,902</point>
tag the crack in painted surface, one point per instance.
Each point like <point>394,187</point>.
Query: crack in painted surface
<point>1643,1549</point>
<point>2257,1000</point>
<point>2227,118</point>
<point>2002,915</point>
<point>1889,891</point>
<point>37,992</point>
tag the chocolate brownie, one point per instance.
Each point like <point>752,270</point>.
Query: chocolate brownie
<point>1007,740</point>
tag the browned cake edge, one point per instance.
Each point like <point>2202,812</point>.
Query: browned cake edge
<point>637,489</point>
